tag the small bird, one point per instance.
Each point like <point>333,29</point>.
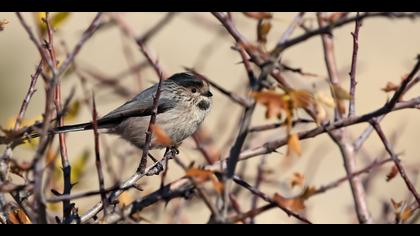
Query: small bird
<point>184,102</point>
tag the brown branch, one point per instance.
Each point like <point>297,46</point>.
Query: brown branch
<point>341,22</point>
<point>341,137</point>
<point>156,28</point>
<point>396,160</point>
<point>243,101</point>
<point>98,162</point>
<point>352,73</point>
<point>258,181</point>
<point>268,199</point>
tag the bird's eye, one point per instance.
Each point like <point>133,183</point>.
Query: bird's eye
<point>193,90</point>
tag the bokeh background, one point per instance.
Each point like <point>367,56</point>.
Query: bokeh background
<point>387,51</point>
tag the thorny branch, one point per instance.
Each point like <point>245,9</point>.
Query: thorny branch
<point>256,61</point>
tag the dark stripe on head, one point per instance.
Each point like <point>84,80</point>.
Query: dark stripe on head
<point>186,80</point>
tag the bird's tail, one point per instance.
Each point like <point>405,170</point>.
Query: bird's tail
<point>57,130</point>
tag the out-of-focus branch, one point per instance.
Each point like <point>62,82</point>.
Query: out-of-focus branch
<point>341,136</point>
<point>353,82</point>
<point>396,160</point>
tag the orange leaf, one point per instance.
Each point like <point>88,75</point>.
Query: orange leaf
<point>205,175</point>
<point>293,145</point>
<point>263,29</point>
<point>301,98</point>
<point>294,204</point>
<point>389,87</point>
<point>161,136</point>
<point>259,15</point>
<point>274,102</point>
<point>18,216</point>
<point>406,213</point>
<point>3,23</point>
<point>298,179</point>
<point>392,173</point>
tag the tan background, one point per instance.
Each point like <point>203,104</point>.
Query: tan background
<point>387,52</point>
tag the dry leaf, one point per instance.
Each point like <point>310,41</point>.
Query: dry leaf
<point>78,166</point>
<point>395,204</point>
<point>263,28</point>
<point>392,173</point>
<point>406,214</point>
<point>161,137</point>
<point>259,15</point>
<point>72,112</point>
<point>293,145</point>
<point>204,175</point>
<point>125,199</point>
<point>294,204</point>
<point>298,179</point>
<point>301,98</point>
<point>340,93</point>
<point>274,102</point>
<point>18,216</point>
<point>390,86</point>
<point>333,17</point>
<point>3,23</point>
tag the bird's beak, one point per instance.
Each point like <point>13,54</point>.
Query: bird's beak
<point>207,94</point>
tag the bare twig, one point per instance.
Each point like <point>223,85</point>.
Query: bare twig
<point>352,73</point>
<point>396,160</point>
<point>98,162</point>
<point>341,137</point>
<point>268,199</point>
<point>156,28</point>
<point>258,181</point>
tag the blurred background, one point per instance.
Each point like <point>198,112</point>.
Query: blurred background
<point>387,51</point>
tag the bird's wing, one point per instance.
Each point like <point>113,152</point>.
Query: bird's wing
<point>141,105</point>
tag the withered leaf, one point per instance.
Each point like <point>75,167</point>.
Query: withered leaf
<point>3,23</point>
<point>18,216</point>
<point>301,98</point>
<point>294,204</point>
<point>274,102</point>
<point>392,173</point>
<point>201,175</point>
<point>340,93</point>
<point>161,137</point>
<point>390,86</point>
<point>293,145</point>
<point>259,15</point>
<point>298,179</point>
<point>263,28</point>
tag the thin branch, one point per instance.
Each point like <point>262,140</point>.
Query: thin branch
<point>293,25</point>
<point>341,137</point>
<point>341,22</point>
<point>243,101</point>
<point>268,199</point>
<point>156,28</point>
<point>98,162</point>
<point>352,73</point>
<point>258,181</point>
<point>396,160</point>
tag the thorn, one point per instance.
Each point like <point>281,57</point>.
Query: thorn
<point>55,192</point>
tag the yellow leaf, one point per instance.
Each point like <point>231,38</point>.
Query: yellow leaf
<point>293,145</point>
<point>298,179</point>
<point>301,98</point>
<point>125,199</point>
<point>340,93</point>
<point>55,20</point>
<point>201,175</point>
<point>18,216</point>
<point>73,111</point>
<point>259,15</point>
<point>78,166</point>
<point>161,137</point>
<point>263,28</point>
<point>325,99</point>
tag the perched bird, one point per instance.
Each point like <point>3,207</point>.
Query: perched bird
<point>184,102</point>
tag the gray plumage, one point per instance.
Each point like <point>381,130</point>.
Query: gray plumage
<point>184,102</point>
